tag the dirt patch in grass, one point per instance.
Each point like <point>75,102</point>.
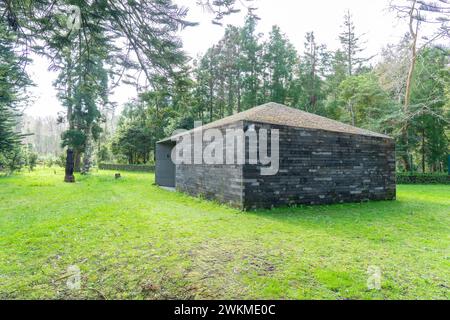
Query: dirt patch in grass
<point>219,267</point>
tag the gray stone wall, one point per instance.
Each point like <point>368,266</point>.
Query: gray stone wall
<point>322,167</point>
<point>222,183</point>
<point>316,167</point>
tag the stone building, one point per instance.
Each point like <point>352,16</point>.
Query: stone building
<point>321,161</point>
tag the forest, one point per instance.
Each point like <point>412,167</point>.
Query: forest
<point>94,46</point>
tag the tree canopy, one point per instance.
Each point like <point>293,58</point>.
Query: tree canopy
<point>97,45</point>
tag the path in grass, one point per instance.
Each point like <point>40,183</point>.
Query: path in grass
<point>132,240</point>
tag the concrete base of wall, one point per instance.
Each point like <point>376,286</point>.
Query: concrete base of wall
<point>169,189</point>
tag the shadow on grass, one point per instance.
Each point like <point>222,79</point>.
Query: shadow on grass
<point>380,211</point>
<point>379,223</point>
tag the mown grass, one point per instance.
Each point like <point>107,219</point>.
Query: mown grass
<point>132,240</point>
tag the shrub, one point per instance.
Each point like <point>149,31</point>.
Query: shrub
<point>126,167</point>
<point>13,160</point>
<point>421,178</point>
<point>32,160</point>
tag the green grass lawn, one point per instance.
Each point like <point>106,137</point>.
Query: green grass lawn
<point>132,240</point>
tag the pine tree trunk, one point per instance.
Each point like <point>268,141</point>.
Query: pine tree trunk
<point>404,157</point>
<point>77,161</point>
<point>239,91</point>
<point>412,65</point>
<point>71,159</point>
<point>69,177</point>
<point>230,95</point>
<point>349,54</point>
<point>87,159</point>
<point>423,150</point>
<point>352,113</point>
<point>211,92</point>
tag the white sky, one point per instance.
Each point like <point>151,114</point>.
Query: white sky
<point>295,17</point>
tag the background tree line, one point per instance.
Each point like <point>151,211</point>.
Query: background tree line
<point>245,69</point>
<point>405,93</point>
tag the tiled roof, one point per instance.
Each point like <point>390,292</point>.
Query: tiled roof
<point>278,114</point>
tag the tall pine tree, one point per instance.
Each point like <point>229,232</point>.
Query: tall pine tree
<point>13,82</point>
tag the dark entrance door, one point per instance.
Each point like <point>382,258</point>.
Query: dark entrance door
<point>165,168</point>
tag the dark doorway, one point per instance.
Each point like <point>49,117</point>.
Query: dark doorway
<point>165,168</point>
